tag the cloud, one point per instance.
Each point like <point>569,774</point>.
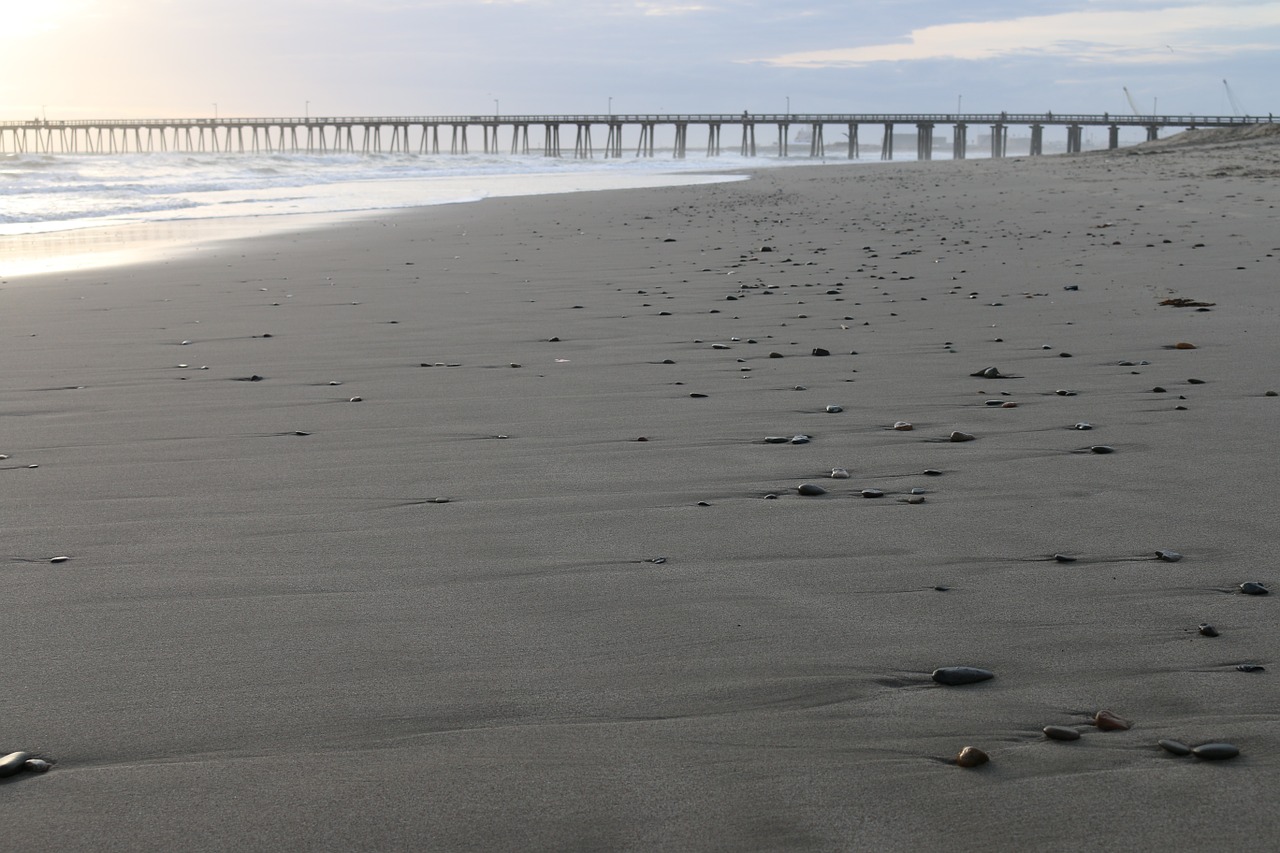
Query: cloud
<point>1168,34</point>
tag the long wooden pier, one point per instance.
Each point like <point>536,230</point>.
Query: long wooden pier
<point>459,134</point>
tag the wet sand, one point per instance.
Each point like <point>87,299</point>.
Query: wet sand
<point>473,609</point>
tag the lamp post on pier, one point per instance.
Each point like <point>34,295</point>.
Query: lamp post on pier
<point>788,105</point>
<point>611,105</point>
<point>306,114</point>
<point>215,110</point>
<point>496,112</point>
<point>959,104</point>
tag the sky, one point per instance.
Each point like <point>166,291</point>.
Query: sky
<point>78,59</point>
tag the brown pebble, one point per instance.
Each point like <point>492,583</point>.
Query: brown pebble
<point>1061,733</point>
<point>961,436</point>
<point>1109,722</point>
<point>1183,345</point>
<point>971,756</point>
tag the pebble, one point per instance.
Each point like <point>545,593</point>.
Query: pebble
<point>1174,746</point>
<point>1061,733</point>
<point>971,756</point>
<point>1102,448</point>
<point>1009,405</point>
<point>917,491</point>
<point>931,472</point>
<point>961,436</point>
<point>1251,667</point>
<point>1168,556</point>
<point>1253,588</point>
<point>356,400</point>
<point>902,426</point>
<point>820,351</point>
<point>1063,558</point>
<point>810,489</point>
<point>1083,425</point>
<point>13,762</point>
<point>913,499</point>
<point>834,409</point>
<point>839,474</point>
<point>776,439</point>
<point>1216,751</point>
<point>799,439</point>
<point>36,765</point>
<point>1109,722</point>
<point>989,373</point>
<point>1183,345</point>
<point>956,675</point>
<point>59,559</point>
<point>1207,630</point>
<point>872,493</point>
<point>1065,392</point>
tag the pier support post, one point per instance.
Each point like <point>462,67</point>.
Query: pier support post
<point>924,140</point>
<point>784,130</point>
<point>613,143</point>
<point>1037,140</point>
<point>960,141</point>
<point>582,143</point>
<point>886,145</point>
<point>817,146</point>
<point>551,145</point>
<point>748,139</point>
<point>682,140</point>
<point>1074,136</point>
<point>520,139</point>
<point>1113,136</point>
<point>1153,132</point>
<point>713,139</point>
<point>644,148</point>
<point>999,138</point>
<point>852,134</point>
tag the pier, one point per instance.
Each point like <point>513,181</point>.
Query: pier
<point>498,134</point>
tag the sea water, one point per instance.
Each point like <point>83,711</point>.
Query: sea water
<point>62,211</point>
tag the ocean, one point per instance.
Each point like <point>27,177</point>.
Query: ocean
<point>64,211</point>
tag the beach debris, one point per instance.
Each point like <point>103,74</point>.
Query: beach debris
<point>658,561</point>
<point>971,756</point>
<point>1254,588</point>
<point>953,676</point>
<point>1167,556</point>
<point>13,762</point>
<point>839,473</point>
<point>1061,733</point>
<point>1175,747</point>
<point>917,491</point>
<point>1108,722</point>
<point>810,489</point>
<point>1216,751</point>
<point>902,426</point>
<point>872,493</point>
<point>961,436</point>
<point>1207,630</point>
<point>1251,667</point>
<point>698,396</point>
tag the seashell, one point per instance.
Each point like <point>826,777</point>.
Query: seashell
<point>820,351</point>
<point>810,489</point>
<point>1216,751</point>
<point>839,474</point>
<point>1253,588</point>
<point>961,436</point>
<point>1065,392</point>
<point>931,472</point>
<point>902,426</point>
<point>989,373</point>
<point>957,675</point>
<point>1061,733</point>
<point>1174,746</point>
<point>971,756</point>
<point>1109,722</point>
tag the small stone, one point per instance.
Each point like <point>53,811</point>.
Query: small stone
<point>1207,630</point>
<point>776,439</point>
<point>1083,425</point>
<point>1183,345</point>
<point>1254,588</point>
<point>1102,448</point>
<point>1065,392</point>
<point>1216,751</point>
<point>989,373</point>
<point>902,426</point>
<point>1063,558</point>
<point>931,472</point>
<point>810,489</point>
<point>917,491</point>
<point>1109,722</point>
<point>799,439</point>
<point>697,396</point>
<point>36,765</point>
<point>1174,746</point>
<point>1159,389</point>
<point>1165,555</point>
<point>820,351</point>
<point>872,493</point>
<point>834,409</point>
<point>961,436</point>
<point>1251,667</point>
<point>356,400</point>
<point>957,675</point>
<point>775,355</point>
<point>971,756</point>
<point>800,388</point>
<point>1061,733</point>
<point>1009,405</point>
<point>913,499</point>
<point>440,500</point>
<point>703,503</point>
<point>13,762</point>
<point>839,473</point>
<point>1272,394</point>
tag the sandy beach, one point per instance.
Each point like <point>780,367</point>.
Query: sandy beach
<point>460,528</point>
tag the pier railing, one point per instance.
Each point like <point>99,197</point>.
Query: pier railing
<point>422,134</point>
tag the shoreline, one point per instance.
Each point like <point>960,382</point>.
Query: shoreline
<point>450,528</point>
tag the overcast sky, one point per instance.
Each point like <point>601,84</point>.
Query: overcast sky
<point>177,58</point>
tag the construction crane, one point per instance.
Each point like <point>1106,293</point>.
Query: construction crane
<point>1235,105</point>
<point>1133,105</point>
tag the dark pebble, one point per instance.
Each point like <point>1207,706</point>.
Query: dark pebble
<point>13,762</point>
<point>1063,558</point>
<point>1175,747</point>
<point>1168,556</point>
<point>931,472</point>
<point>1253,588</point>
<point>1158,390</point>
<point>1061,733</point>
<point>956,675</point>
<point>1216,751</point>
<point>698,396</point>
<point>810,489</point>
<point>1207,630</point>
<point>820,351</point>
<point>1102,448</point>
<point>872,493</point>
<point>1109,722</point>
<point>971,756</point>
<point>1251,667</point>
